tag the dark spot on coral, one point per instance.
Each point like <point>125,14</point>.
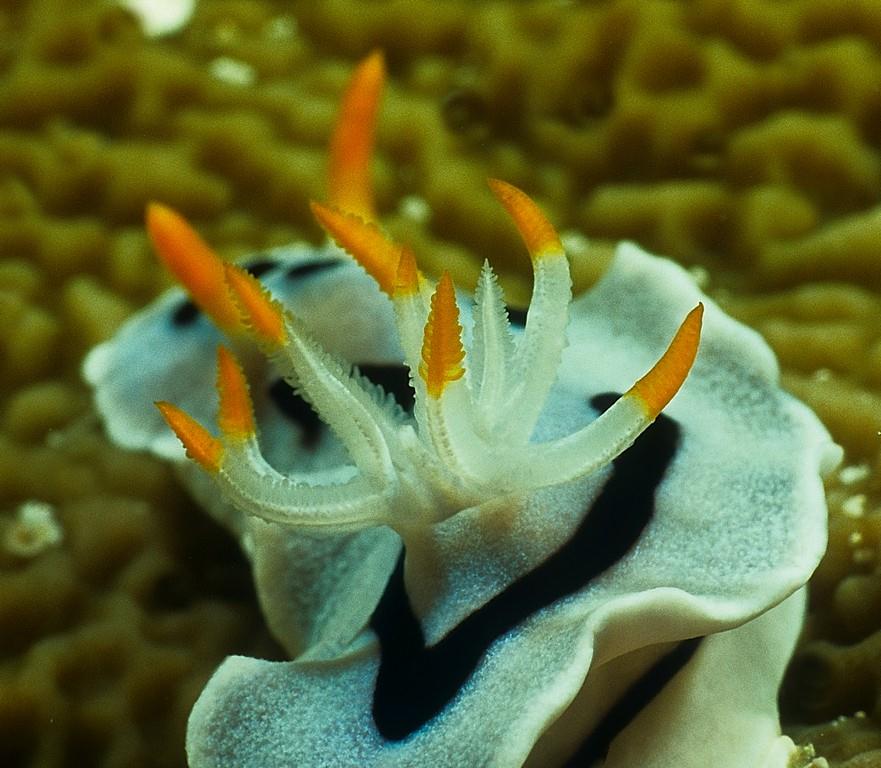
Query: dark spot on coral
<point>186,313</point>
<point>297,410</point>
<point>465,113</point>
<point>517,316</point>
<point>394,378</point>
<point>816,684</point>
<point>591,101</point>
<point>309,268</point>
<point>210,566</point>
<point>416,682</point>
<point>21,727</point>
<point>172,591</point>
<point>706,151</point>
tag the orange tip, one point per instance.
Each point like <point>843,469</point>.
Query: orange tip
<point>264,316</point>
<point>537,232</point>
<point>195,265</point>
<point>407,275</point>
<point>442,349</point>
<point>235,416</point>
<point>351,145</point>
<point>200,445</point>
<point>364,242</point>
<point>657,387</point>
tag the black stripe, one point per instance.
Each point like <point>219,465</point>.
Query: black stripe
<point>294,408</point>
<point>259,267</point>
<point>311,267</point>
<point>517,316</point>
<point>394,378</point>
<point>416,682</point>
<point>187,312</point>
<point>636,698</point>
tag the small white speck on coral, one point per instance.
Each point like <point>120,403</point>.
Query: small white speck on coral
<point>863,556</point>
<point>281,28</point>
<point>232,71</point>
<point>853,473</point>
<point>34,530</point>
<point>415,208</point>
<point>854,506</point>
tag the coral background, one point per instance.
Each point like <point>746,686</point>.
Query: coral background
<point>740,137</point>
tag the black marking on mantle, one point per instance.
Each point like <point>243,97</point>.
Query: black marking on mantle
<point>186,312</point>
<point>636,698</point>
<point>260,266</point>
<point>308,268</point>
<point>416,682</point>
<point>517,316</point>
<point>394,378</point>
<point>295,408</point>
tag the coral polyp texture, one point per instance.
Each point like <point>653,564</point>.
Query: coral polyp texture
<point>739,139</point>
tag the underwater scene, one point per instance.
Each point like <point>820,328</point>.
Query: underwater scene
<point>440,383</point>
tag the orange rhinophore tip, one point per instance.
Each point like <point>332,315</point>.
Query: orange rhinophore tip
<point>196,266</point>
<point>235,416</point>
<point>262,314</point>
<point>442,349</point>
<point>657,387</point>
<point>364,241</point>
<point>351,145</point>
<point>407,276</point>
<point>537,232</point>
<point>200,445</point>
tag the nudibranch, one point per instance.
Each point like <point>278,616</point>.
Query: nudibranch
<point>576,538</point>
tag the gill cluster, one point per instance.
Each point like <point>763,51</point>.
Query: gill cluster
<point>468,438</point>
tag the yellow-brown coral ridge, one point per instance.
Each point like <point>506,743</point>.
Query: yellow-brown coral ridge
<point>442,349</point>
<point>235,415</point>
<point>654,390</point>
<point>264,316</point>
<point>200,445</point>
<point>351,145</point>
<point>192,261</point>
<point>538,233</point>
<point>364,241</point>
